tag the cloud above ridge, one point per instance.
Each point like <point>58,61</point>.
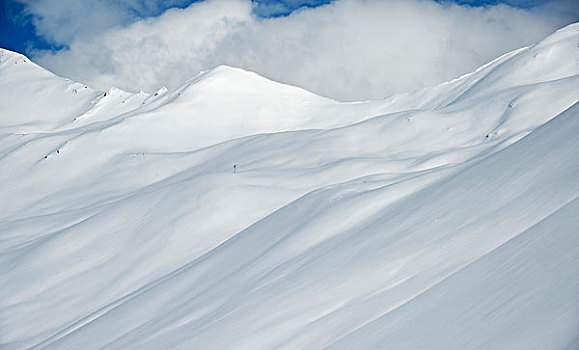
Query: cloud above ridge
<point>348,49</point>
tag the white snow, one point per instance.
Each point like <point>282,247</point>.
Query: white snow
<point>446,218</point>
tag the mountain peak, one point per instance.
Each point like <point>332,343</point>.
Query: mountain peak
<point>7,56</point>
<point>241,82</point>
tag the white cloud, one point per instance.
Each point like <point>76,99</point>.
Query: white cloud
<point>59,22</point>
<point>347,50</point>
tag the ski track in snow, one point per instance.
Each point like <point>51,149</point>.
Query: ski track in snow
<point>445,218</point>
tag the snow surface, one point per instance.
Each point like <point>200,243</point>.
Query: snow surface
<point>446,218</point>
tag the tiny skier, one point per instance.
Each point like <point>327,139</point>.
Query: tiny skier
<point>234,168</point>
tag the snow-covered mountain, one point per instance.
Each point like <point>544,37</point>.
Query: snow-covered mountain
<point>446,218</point>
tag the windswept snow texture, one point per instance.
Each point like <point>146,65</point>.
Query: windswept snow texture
<point>446,218</point>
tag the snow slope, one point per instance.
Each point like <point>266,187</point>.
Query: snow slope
<point>445,218</point>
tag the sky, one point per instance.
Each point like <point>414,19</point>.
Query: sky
<point>344,49</point>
